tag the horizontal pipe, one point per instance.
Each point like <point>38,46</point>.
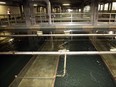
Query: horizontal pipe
<point>56,35</point>
<point>35,77</point>
<point>58,53</point>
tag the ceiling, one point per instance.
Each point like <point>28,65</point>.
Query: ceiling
<point>74,3</point>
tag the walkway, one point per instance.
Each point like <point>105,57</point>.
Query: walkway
<point>42,72</point>
<point>110,60</point>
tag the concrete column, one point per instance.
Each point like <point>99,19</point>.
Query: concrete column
<point>94,12</point>
<point>27,13</point>
<point>21,9</point>
<point>82,10</point>
<point>32,14</point>
<point>49,11</point>
<point>60,9</point>
<point>100,7</point>
<point>111,7</point>
<point>103,7</point>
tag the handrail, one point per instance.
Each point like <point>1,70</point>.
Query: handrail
<point>58,53</point>
<point>58,18</point>
<point>56,35</point>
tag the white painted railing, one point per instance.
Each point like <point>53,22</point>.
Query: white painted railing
<point>107,18</point>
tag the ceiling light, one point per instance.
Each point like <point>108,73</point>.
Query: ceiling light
<point>2,2</point>
<point>34,5</point>
<point>69,10</point>
<point>111,32</point>
<point>66,4</point>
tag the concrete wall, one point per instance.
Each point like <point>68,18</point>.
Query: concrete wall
<point>13,9</point>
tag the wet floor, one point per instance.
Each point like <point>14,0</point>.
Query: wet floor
<point>84,71</point>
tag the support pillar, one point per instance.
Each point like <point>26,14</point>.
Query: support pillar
<point>111,7</point>
<point>21,9</point>
<point>99,7</point>
<point>32,14</point>
<point>82,11</point>
<point>27,13</point>
<point>60,9</point>
<point>94,12</point>
<point>103,7</point>
<point>49,11</point>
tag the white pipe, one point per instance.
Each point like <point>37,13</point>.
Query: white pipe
<point>56,35</point>
<point>58,53</point>
<point>34,77</point>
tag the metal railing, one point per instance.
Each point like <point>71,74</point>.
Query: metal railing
<point>11,19</point>
<point>109,18</point>
<point>64,17</point>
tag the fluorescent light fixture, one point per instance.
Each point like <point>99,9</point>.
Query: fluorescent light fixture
<point>66,4</point>
<point>113,49</point>
<point>2,2</point>
<point>34,5</point>
<point>69,10</point>
<point>111,32</point>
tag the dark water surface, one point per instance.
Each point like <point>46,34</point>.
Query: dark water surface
<point>84,70</point>
<point>11,65</point>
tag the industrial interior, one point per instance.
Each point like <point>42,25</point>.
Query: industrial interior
<point>57,43</point>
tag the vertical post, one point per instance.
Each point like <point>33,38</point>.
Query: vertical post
<point>21,10</point>
<point>82,12</point>
<point>71,17</point>
<point>103,7</point>
<point>52,41</point>
<point>49,11</point>
<point>8,19</point>
<point>99,7</point>
<point>60,9</point>
<point>111,6</point>
<point>94,12</point>
<point>16,79</point>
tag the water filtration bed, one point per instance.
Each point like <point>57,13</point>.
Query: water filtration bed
<point>83,70</point>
